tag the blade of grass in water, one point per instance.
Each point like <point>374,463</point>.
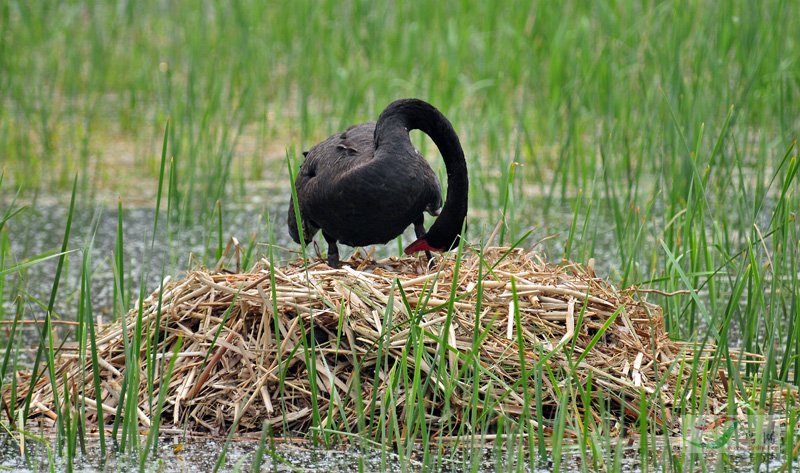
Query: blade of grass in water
<point>46,335</point>
<point>276,328</point>
<point>259,453</point>
<point>10,344</point>
<point>295,203</point>
<point>121,416</point>
<point>160,183</point>
<point>155,424</point>
<point>92,337</point>
<point>34,260</point>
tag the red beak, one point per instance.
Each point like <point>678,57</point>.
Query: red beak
<point>420,245</point>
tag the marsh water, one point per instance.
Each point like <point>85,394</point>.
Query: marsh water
<point>175,249</point>
<point>201,456</point>
<point>179,247</point>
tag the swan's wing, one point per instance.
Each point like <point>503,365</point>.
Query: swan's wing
<point>324,168</point>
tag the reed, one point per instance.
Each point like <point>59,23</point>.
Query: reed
<point>652,141</point>
<point>413,339</point>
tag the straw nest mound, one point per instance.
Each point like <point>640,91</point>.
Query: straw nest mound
<point>298,347</point>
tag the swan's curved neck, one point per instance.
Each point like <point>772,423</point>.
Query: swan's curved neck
<point>394,124</point>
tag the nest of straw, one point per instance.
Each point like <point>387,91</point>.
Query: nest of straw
<point>300,346</point>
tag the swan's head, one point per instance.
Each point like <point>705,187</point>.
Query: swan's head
<point>433,241</point>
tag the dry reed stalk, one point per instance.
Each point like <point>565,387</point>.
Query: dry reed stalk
<point>232,366</point>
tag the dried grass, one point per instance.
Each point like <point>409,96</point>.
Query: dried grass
<point>231,363</point>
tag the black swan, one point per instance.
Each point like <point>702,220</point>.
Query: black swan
<point>368,184</point>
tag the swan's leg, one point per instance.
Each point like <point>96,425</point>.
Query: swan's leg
<point>333,251</point>
<point>419,231</point>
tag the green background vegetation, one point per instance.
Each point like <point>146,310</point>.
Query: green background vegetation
<point>664,131</point>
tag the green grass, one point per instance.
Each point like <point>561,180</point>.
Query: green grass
<point>657,137</point>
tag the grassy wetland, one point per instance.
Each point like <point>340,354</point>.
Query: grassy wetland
<point>655,139</point>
